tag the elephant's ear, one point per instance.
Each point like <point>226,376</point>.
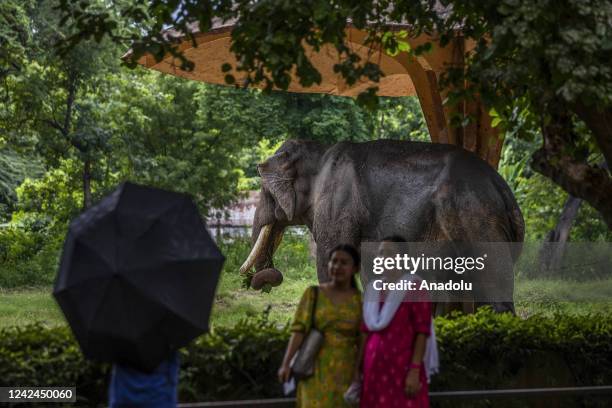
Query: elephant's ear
<point>278,176</point>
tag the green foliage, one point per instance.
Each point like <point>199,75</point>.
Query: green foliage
<point>85,118</point>
<point>547,60</point>
<point>37,355</point>
<point>234,363</point>
<point>13,170</point>
<point>559,49</point>
<point>15,35</point>
<point>54,199</point>
<point>167,132</point>
<point>540,200</point>
<point>30,244</point>
<point>401,119</point>
<point>28,257</point>
<point>487,349</point>
<point>270,41</point>
<point>500,350</point>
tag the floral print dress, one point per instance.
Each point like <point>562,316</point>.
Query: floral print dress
<point>335,364</point>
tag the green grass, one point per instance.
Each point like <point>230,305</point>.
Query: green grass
<point>233,302</point>
<point>20,307</point>
<point>549,297</point>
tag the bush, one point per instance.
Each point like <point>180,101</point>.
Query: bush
<point>479,351</point>
<point>28,257</point>
<point>37,356</point>
<point>487,350</point>
<point>234,363</point>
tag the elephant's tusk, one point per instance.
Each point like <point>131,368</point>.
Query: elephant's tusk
<point>277,241</point>
<point>264,235</point>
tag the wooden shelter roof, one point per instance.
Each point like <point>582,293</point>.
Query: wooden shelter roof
<point>404,75</point>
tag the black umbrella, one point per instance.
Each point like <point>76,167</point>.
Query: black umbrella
<point>138,276</point>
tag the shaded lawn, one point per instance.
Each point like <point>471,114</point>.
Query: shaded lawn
<point>20,307</point>
<point>25,306</point>
<point>233,302</point>
<point>549,297</point>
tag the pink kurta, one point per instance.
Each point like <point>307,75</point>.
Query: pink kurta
<point>388,354</point>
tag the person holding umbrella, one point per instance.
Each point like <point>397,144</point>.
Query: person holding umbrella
<point>136,282</point>
<point>130,387</point>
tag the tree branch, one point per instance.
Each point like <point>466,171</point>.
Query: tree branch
<point>599,121</point>
<point>72,88</point>
<point>592,184</point>
<point>55,125</point>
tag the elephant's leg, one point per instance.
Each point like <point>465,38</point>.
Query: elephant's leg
<point>322,251</point>
<point>439,233</point>
<point>497,279</point>
<point>479,226</point>
<point>331,239</point>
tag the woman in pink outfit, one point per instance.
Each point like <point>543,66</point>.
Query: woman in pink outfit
<point>393,371</point>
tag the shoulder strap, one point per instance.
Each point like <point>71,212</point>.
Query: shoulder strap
<point>314,307</point>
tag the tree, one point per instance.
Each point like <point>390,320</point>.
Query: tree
<point>172,134</point>
<point>55,99</point>
<point>203,139</point>
<point>549,58</point>
<point>14,168</point>
<point>15,36</point>
<point>541,201</point>
<point>553,58</point>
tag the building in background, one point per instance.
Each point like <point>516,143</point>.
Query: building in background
<point>235,220</point>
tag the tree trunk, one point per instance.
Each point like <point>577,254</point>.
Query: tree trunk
<point>566,219</point>
<point>552,250</point>
<point>87,184</point>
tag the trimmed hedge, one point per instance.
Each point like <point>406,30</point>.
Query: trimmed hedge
<point>479,351</point>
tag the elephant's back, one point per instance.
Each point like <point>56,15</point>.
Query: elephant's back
<point>422,181</point>
<point>417,167</point>
<point>427,165</point>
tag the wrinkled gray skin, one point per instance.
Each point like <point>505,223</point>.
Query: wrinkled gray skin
<point>354,192</point>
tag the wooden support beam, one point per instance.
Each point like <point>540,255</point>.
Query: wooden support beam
<point>470,131</point>
<point>426,86</point>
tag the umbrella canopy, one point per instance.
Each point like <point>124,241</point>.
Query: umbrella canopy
<point>138,276</point>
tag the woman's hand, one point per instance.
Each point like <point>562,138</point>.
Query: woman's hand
<point>284,372</point>
<point>413,382</point>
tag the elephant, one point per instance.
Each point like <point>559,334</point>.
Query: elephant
<point>357,192</point>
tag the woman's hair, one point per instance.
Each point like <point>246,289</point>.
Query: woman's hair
<point>354,253</point>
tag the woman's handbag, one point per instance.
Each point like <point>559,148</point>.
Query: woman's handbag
<point>303,362</point>
<point>352,395</point>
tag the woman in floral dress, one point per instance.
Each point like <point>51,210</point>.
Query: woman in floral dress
<point>337,315</point>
